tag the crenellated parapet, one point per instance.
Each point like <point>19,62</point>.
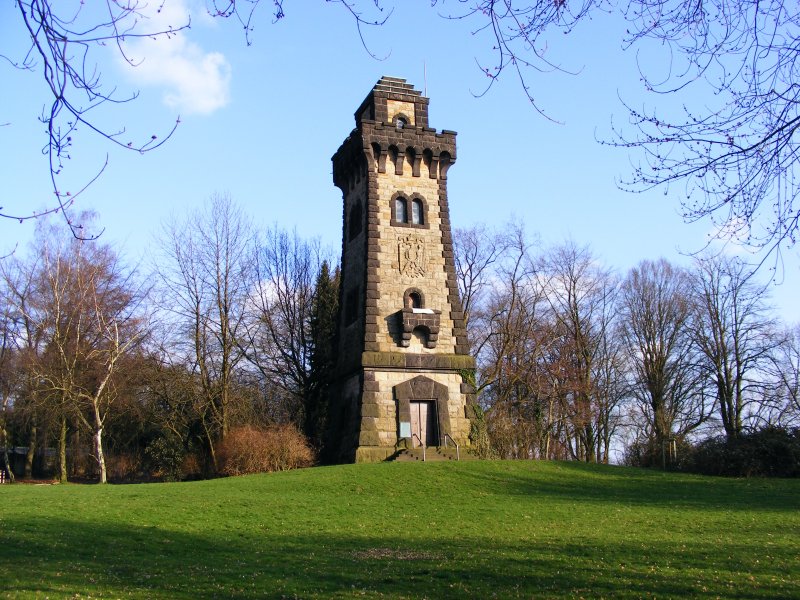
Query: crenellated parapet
<point>392,133</point>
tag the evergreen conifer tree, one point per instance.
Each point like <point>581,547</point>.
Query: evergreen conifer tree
<point>324,309</point>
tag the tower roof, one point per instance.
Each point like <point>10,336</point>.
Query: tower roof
<point>395,85</point>
<point>388,96</point>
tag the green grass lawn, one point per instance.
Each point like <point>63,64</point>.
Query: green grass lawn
<point>436,530</point>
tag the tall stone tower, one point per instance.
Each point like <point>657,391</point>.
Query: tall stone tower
<point>402,345</point>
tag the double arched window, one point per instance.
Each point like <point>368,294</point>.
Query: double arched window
<point>409,212</point>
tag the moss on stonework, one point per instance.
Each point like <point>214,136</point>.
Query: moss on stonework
<point>456,362</point>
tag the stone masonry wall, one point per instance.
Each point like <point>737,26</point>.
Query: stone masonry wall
<point>379,409</point>
<point>397,107</point>
<point>352,289</point>
<point>433,283</point>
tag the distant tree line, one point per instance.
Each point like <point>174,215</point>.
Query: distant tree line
<point>575,361</point>
<point>170,371</point>
<point>216,358</point>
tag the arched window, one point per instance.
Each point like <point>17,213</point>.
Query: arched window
<point>413,298</point>
<point>409,212</point>
<point>400,210</point>
<point>417,214</point>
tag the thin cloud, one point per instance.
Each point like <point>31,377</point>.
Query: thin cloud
<point>734,237</point>
<point>193,81</point>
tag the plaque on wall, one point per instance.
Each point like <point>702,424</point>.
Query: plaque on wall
<point>405,429</point>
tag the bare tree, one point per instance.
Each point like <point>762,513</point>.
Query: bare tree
<point>364,14</point>
<point>734,157</point>
<point>735,154</point>
<point>785,408</point>
<point>280,338</point>
<point>478,251</point>
<point>76,312</point>
<point>582,298</point>
<point>68,41</point>
<point>732,67</point>
<point>7,374</point>
<point>207,277</point>
<point>509,345</point>
<point>90,306</point>
<point>65,40</point>
<point>656,324</point>
<point>737,339</point>
<point>26,328</point>
<point>550,369</point>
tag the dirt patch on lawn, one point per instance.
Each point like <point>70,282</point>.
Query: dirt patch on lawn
<point>394,554</point>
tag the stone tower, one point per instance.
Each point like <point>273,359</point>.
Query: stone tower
<point>402,345</point>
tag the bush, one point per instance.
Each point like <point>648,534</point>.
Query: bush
<point>767,452</point>
<point>192,467</point>
<point>165,455</point>
<point>480,443</point>
<point>123,467</point>
<point>649,453</point>
<point>251,450</point>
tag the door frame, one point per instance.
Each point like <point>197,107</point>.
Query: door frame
<point>423,389</point>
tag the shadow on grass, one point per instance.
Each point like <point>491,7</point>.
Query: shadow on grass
<point>66,558</point>
<point>602,483</point>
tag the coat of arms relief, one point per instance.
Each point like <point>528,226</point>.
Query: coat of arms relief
<point>413,256</point>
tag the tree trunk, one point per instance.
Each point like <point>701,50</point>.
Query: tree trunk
<point>6,459</point>
<point>62,451</point>
<point>30,454</point>
<point>98,448</point>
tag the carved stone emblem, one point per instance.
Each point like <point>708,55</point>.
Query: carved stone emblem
<point>413,255</point>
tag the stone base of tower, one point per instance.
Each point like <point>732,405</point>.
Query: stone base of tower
<point>388,405</point>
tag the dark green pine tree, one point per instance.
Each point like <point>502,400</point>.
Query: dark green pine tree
<point>324,310</point>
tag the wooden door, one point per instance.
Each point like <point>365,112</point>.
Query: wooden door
<point>423,423</point>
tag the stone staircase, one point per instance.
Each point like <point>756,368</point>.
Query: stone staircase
<point>432,454</point>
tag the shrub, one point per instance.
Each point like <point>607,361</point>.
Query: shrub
<point>480,443</point>
<point>192,466</point>
<point>767,452</point>
<point>124,467</point>
<point>649,453</point>
<point>252,450</point>
<point>165,455</point>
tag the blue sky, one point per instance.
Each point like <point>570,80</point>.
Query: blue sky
<point>261,123</point>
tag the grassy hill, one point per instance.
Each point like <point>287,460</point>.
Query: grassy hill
<point>435,530</point>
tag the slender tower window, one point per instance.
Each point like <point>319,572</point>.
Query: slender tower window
<point>417,217</point>
<point>400,210</point>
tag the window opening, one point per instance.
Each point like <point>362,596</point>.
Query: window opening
<point>400,210</point>
<point>417,217</point>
